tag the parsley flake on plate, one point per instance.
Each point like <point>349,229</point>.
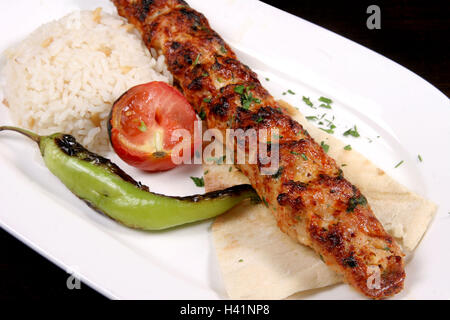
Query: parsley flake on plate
<point>352,132</point>
<point>399,164</point>
<point>307,101</point>
<point>199,182</point>
<point>324,146</point>
<point>325,100</point>
<point>330,131</point>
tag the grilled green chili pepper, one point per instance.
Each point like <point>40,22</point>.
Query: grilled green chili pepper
<point>109,190</point>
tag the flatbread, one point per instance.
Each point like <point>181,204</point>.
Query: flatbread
<point>258,261</point>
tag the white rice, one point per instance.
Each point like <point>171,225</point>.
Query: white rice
<point>65,76</point>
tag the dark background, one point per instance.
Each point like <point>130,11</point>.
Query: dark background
<point>413,33</point>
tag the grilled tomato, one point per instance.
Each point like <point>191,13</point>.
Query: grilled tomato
<point>142,121</point>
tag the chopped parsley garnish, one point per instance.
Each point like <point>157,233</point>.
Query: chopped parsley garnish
<point>311,118</point>
<point>259,119</point>
<point>330,131</point>
<point>196,59</point>
<point>325,100</point>
<point>241,260</point>
<point>296,153</point>
<point>326,106</point>
<point>202,114</point>
<point>352,132</point>
<point>304,156</point>
<point>199,182</point>
<point>399,164</point>
<point>239,89</point>
<point>265,202</point>
<point>267,79</point>
<point>353,202</point>
<point>284,93</point>
<point>330,125</point>
<point>207,100</point>
<point>142,127</point>
<point>324,146</point>
<point>387,248</point>
<point>206,172</point>
<point>230,168</point>
<point>419,157</point>
<point>219,79</point>
<point>343,165</point>
<point>222,49</point>
<point>277,174</point>
<point>205,74</point>
<point>307,101</point>
<point>348,147</point>
<point>291,92</point>
<point>248,100</point>
<point>246,96</point>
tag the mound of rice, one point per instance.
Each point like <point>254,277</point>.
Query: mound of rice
<point>65,76</point>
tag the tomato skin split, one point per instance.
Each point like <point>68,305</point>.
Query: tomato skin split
<point>142,121</point>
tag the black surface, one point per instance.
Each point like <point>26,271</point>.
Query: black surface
<point>413,33</point>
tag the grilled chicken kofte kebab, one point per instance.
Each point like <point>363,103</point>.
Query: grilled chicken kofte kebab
<point>311,200</point>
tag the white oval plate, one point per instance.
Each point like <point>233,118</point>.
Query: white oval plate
<point>381,97</point>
